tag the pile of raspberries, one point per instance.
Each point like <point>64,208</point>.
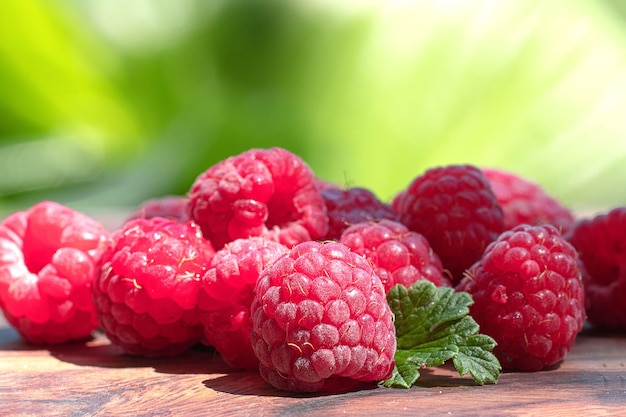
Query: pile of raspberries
<point>287,274</point>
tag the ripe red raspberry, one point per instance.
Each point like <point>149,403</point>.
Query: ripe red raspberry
<point>320,313</point>
<point>226,295</point>
<point>48,258</point>
<point>397,254</point>
<point>260,192</point>
<point>455,209</point>
<point>528,296</point>
<point>601,243</point>
<point>353,205</point>
<point>524,201</point>
<point>171,207</point>
<point>147,291</point>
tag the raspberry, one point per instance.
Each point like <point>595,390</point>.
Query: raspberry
<point>260,192</point>
<point>455,209</point>
<point>320,313</point>
<point>147,290</point>
<point>528,296</point>
<point>350,206</point>
<point>601,243</point>
<point>524,201</point>
<point>226,295</point>
<point>171,207</point>
<point>48,258</point>
<point>398,255</point>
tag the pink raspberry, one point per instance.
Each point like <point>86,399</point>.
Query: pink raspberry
<point>48,258</point>
<point>147,292</point>
<point>528,296</point>
<point>171,207</point>
<point>260,192</point>
<point>397,254</point>
<point>352,205</point>
<point>226,295</point>
<point>455,209</point>
<point>524,201</point>
<point>320,313</point>
<point>601,243</point>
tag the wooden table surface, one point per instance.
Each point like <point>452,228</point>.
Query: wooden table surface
<point>93,378</point>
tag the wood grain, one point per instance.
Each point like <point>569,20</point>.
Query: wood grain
<point>93,378</point>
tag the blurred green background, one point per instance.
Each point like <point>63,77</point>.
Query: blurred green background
<point>104,104</point>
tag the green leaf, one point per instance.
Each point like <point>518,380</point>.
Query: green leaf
<point>433,326</point>
<point>476,359</point>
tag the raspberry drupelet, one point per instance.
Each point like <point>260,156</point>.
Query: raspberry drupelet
<point>146,294</point>
<point>320,313</point>
<point>601,243</point>
<point>349,206</point>
<point>397,254</point>
<point>261,192</point>
<point>226,295</point>
<point>528,295</point>
<point>48,262</point>
<point>454,207</point>
<point>171,207</point>
<point>526,202</point>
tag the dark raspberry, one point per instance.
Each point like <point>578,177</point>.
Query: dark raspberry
<point>601,243</point>
<point>320,313</point>
<point>528,296</point>
<point>353,205</point>
<point>170,207</point>
<point>226,295</point>
<point>524,201</point>
<point>147,292</point>
<point>48,258</point>
<point>455,209</point>
<point>397,254</point>
<point>261,192</point>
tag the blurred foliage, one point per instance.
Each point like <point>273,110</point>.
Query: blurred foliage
<point>108,103</point>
